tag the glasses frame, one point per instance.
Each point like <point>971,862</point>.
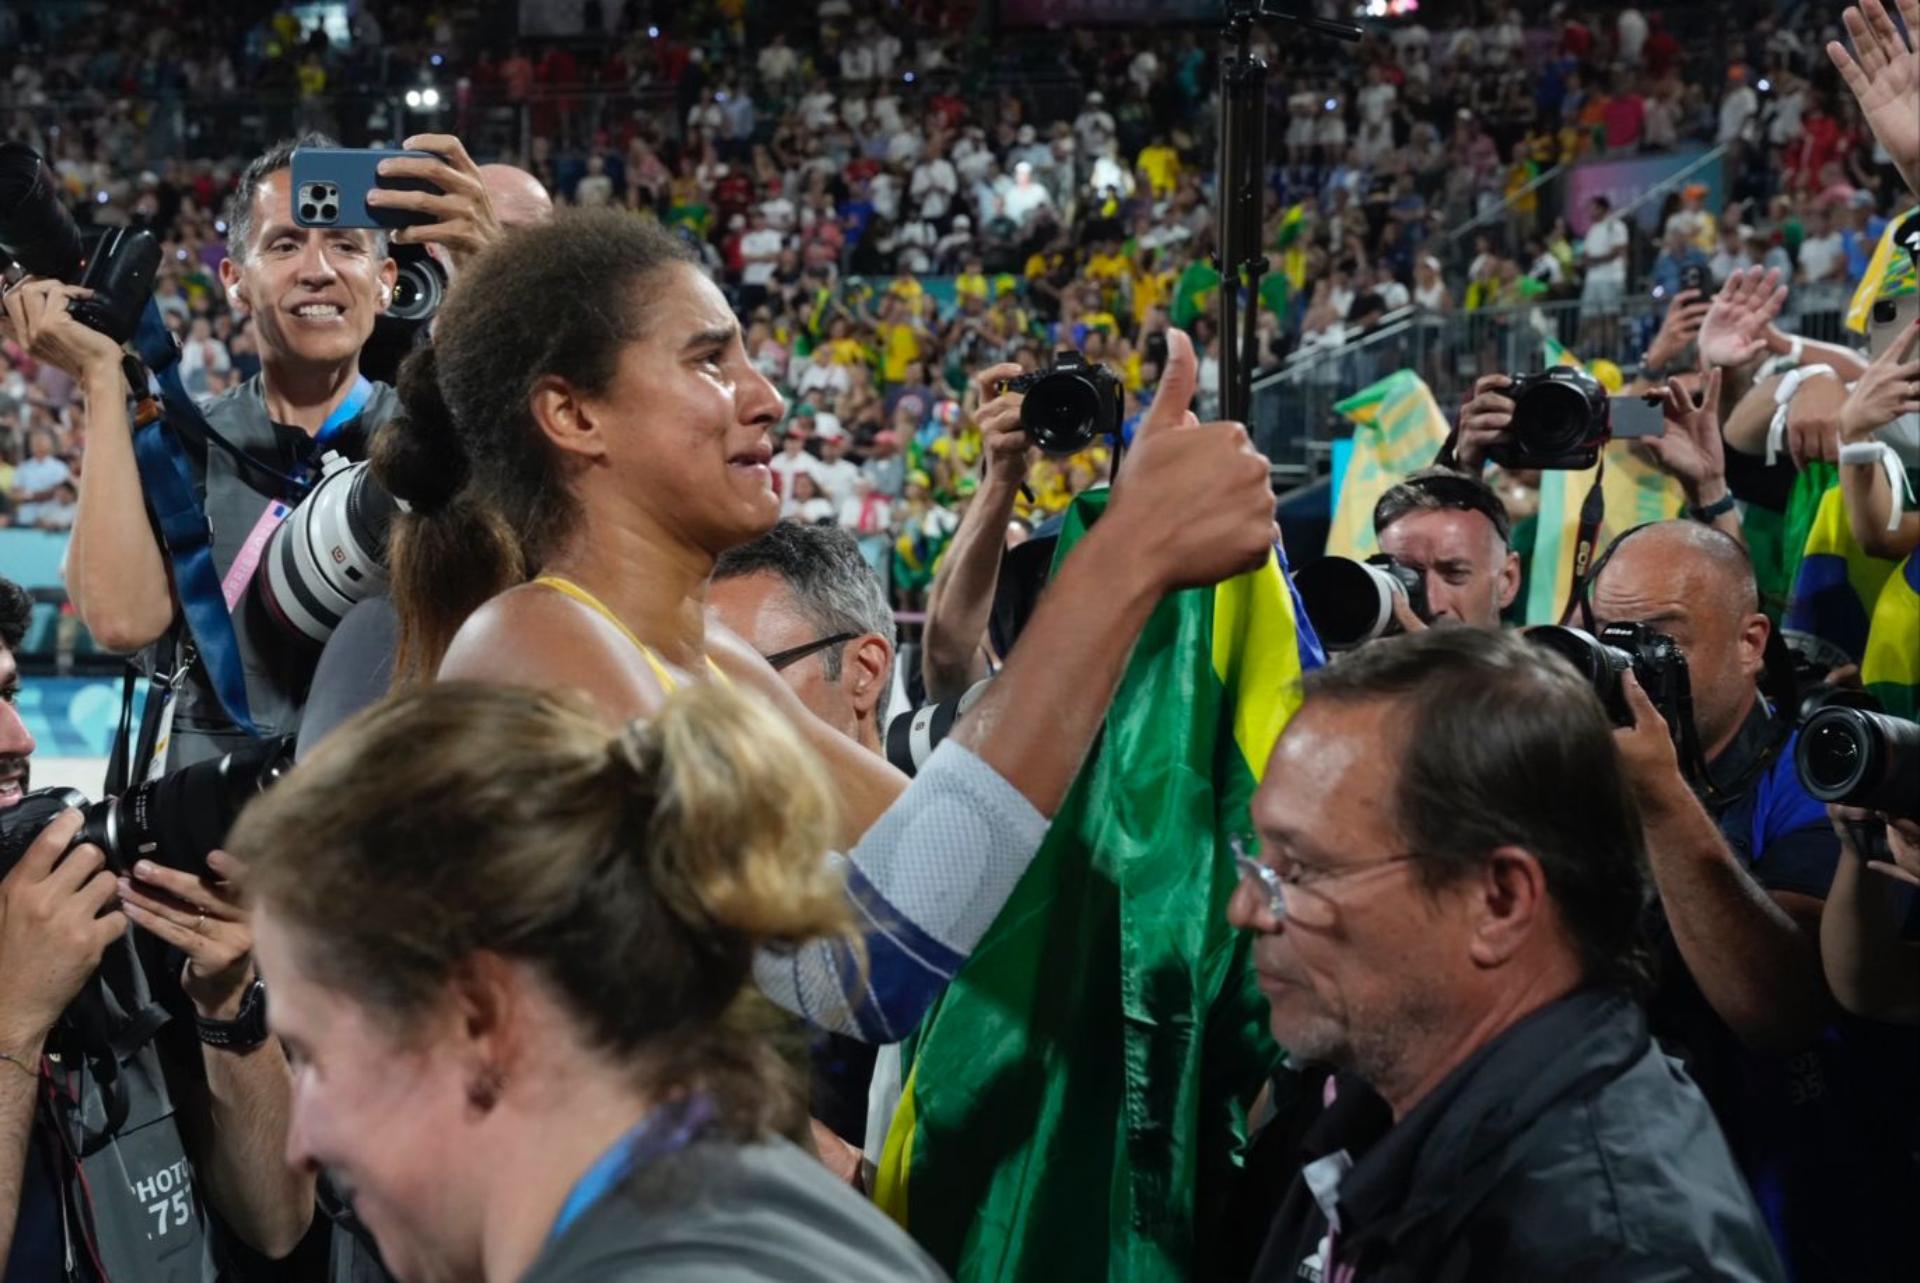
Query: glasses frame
<point>1271,886</point>
<point>794,654</point>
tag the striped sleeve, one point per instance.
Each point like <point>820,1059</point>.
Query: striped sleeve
<point>925,882</point>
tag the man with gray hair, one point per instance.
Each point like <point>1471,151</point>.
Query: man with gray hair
<point>804,597</point>
<point>808,601</point>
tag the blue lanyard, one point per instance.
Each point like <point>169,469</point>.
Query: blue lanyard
<point>343,414</point>
<point>665,1131</point>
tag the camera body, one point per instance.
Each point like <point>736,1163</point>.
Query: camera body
<point>1069,405</point>
<point>174,820</point>
<point>1561,419</point>
<point>38,233</point>
<point>1655,660</point>
<point>1351,602</point>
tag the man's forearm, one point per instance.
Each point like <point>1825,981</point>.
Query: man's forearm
<point>1758,967</point>
<point>1035,723</point>
<point>1846,362</point>
<point>266,1201</point>
<point>19,1095</point>
<point>961,599</point>
<point>116,576</point>
<point>1871,970</point>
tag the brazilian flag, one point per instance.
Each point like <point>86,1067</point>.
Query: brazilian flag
<point>1890,670</point>
<point>1836,583</point>
<point>1077,1096</point>
<point>1193,293</point>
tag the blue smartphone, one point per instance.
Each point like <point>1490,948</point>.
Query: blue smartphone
<point>330,186</point>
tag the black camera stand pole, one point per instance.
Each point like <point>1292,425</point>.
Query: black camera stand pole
<point>1242,189</point>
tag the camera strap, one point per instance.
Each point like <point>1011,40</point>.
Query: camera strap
<point>167,479</point>
<point>206,600</point>
<point>1593,513</point>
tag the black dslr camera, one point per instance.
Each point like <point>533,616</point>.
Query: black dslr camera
<point>174,820</point>
<point>1070,404</point>
<point>1655,659</point>
<point>38,234</point>
<point>1350,603</point>
<point>1561,418</point>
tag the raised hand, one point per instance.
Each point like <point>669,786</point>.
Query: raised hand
<point>1197,498</point>
<point>1007,448</point>
<point>1486,420</point>
<point>1734,332</point>
<point>1681,326</point>
<point>1884,74</point>
<point>464,219</point>
<point>1691,451</point>
<point>1889,389</point>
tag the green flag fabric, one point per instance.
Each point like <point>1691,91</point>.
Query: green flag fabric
<point>1076,1100</point>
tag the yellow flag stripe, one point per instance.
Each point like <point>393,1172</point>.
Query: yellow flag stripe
<point>1256,656</point>
<point>896,1156</point>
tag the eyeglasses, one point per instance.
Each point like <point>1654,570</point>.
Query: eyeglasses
<point>783,658</point>
<point>1289,896</point>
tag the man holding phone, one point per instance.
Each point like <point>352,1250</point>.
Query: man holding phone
<point>311,295</point>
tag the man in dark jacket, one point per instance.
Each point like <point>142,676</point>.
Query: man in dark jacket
<point>1448,897</point>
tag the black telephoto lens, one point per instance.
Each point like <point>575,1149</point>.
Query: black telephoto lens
<point>1856,757</point>
<point>1602,665</point>
<point>36,231</point>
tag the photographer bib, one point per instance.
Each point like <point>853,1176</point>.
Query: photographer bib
<point>132,1207</point>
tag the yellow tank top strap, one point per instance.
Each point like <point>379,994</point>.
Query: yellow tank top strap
<point>587,599</point>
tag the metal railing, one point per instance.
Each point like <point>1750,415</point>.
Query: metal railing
<point>1292,415</point>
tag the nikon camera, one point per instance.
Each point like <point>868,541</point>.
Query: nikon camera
<point>1655,659</point>
<point>1070,404</point>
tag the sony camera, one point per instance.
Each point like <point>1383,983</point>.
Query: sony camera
<point>1655,659</point>
<point>39,235</point>
<point>174,820</point>
<point>1069,405</point>
<point>330,552</point>
<point>1350,603</point>
<point>1561,418</point>
<point>1858,757</point>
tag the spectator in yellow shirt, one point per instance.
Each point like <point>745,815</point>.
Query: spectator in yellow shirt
<point>1162,165</point>
<point>972,282</point>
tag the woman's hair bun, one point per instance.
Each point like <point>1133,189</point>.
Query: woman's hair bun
<point>418,455</point>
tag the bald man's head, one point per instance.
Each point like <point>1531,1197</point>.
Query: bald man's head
<point>1695,584</point>
<point>519,199</point>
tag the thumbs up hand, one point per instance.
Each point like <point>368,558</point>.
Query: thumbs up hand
<point>1194,498</point>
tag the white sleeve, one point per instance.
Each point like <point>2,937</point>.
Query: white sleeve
<point>925,882</point>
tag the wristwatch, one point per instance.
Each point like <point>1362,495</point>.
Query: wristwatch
<point>248,1028</point>
<point>1713,511</point>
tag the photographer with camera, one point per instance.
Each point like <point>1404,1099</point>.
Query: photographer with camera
<point>312,295</point>
<point>200,1119</point>
<point>1452,531</point>
<point>1742,858</point>
<point>954,650</point>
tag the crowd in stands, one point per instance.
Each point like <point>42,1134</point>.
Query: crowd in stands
<point>895,196</point>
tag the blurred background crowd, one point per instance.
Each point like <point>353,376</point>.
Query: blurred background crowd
<point>899,194</point>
